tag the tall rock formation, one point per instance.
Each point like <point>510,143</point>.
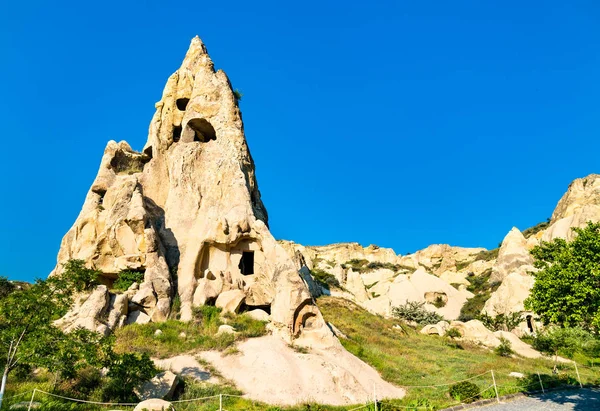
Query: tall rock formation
<point>187,212</point>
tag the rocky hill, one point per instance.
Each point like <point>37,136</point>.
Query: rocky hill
<point>185,215</point>
<point>442,275</point>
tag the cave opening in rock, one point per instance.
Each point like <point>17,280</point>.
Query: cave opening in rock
<point>246,265</point>
<point>203,130</point>
<point>182,103</point>
<point>176,133</point>
<point>530,323</point>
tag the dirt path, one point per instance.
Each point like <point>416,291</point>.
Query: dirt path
<point>586,399</point>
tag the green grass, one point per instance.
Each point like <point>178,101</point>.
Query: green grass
<point>200,334</point>
<point>364,266</point>
<point>407,358</point>
<point>536,229</point>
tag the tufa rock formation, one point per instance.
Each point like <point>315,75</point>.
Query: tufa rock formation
<point>187,212</point>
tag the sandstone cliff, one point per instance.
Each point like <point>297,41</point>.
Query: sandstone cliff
<point>187,212</point>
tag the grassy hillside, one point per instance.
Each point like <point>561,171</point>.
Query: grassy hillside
<point>402,356</point>
<point>408,358</point>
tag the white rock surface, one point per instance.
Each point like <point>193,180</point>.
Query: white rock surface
<point>327,376</point>
<point>513,257</point>
<point>160,386</point>
<point>186,366</point>
<point>189,202</point>
<point>154,404</point>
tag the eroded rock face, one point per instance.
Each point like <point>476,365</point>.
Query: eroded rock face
<point>513,257</point>
<point>580,204</point>
<point>190,204</point>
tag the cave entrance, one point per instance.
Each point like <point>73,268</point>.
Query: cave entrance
<point>530,323</point>
<point>182,103</point>
<point>203,130</point>
<point>176,134</point>
<point>246,265</point>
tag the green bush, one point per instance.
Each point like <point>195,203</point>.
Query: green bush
<point>501,322</point>
<point>472,308</point>
<point>439,302</point>
<point>504,349</point>
<point>248,327</point>
<point>415,311</point>
<point>324,278</point>
<point>464,391</point>
<point>567,342</point>
<point>487,255</point>
<point>127,278</point>
<point>453,333</point>
<point>125,372</point>
<point>6,287</point>
<point>79,276</point>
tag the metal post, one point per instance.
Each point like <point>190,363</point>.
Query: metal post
<point>578,377</point>
<point>541,385</point>
<point>220,402</point>
<point>31,401</point>
<point>495,387</point>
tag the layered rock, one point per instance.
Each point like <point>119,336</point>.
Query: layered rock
<point>189,204</point>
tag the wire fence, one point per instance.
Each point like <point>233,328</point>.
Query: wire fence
<point>423,397</point>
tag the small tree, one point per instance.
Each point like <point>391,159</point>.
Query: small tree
<point>505,348</point>
<point>414,311</point>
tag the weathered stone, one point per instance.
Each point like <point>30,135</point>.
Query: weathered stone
<point>154,404</point>
<point>87,312</point>
<point>138,317</point>
<point>510,296</point>
<point>226,329</point>
<point>258,314</point>
<point>189,203</point>
<point>513,257</point>
<point>160,386</point>
<point>516,375</point>
<point>439,329</point>
<point>230,301</point>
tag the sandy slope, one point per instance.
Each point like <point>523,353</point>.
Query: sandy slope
<point>268,370</point>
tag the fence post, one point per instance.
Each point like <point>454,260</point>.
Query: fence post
<point>375,396</point>
<point>220,402</point>
<point>541,385</point>
<point>578,377</point>
<point>495,387</point>
<point>31,401</point>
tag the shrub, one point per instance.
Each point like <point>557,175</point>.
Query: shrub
<point>415,311</point>
<point>487,255</point>
<point>79,276</point>
<point>472,308</point>
<point>536,228</point>
<point>501,322</point>
<point>439,302</point>
<point>207,315</point>
<point>504,349</point>
<point>125,372</point>
<point>238,94</point>
<point>453,333</point>
<point>464,391</point>
<point>325,279</point>
<point>127,278</point>
<point>6,287</point>
<point>567,342</point>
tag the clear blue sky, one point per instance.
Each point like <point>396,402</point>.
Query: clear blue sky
<point>395,123</point>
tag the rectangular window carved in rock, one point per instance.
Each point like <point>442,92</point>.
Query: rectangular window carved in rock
<point>247,263</point>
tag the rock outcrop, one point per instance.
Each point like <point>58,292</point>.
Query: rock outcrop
<point>580,204</point>
<point>513,257</point>
<point>189,204</point>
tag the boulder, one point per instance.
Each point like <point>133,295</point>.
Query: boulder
<point>138,317</point>
<point>154,404</point>
<point>516,375</point>
<point>226,329</point>
<point>439,329</point>
<point>161,386</point>
<point>230,301</point>
<point>258,315</point>
<point>475,331</point>
<point>87,312</point>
